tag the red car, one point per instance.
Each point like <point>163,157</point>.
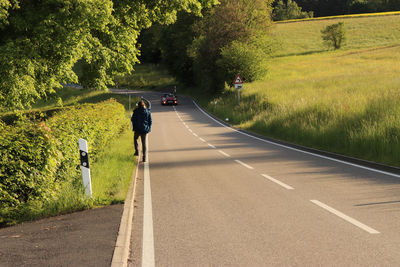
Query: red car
<point>169,99</point>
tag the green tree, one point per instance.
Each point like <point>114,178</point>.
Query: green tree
<point>174,44</point>
<point>40,42</point>
<point>334,35</point>
<point>243,58</point>
<point>232,21</point>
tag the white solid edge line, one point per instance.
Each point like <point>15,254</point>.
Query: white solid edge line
<point>202,140</point>
<point>225,154</point>
<point>190,130</point>
<point>345,217</point>
<point>244,164</point>
<point>210,145</point>
<point>122,246</point>
<point>298,150</point>
<point>195,134</point>
<point>278,182</point>
<point>148,259</point>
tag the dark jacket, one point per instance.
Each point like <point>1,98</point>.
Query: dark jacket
<point>141,120</point>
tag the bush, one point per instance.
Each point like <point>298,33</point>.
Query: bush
<point>244,59</point>
<point>334,35</point>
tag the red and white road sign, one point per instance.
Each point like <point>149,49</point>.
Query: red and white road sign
<point>238,80</point>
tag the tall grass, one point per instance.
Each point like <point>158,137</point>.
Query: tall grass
<point>112,173</point>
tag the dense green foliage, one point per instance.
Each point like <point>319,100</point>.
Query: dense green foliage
<point>40,42</point>
<point>97,123</point>
<point>242,58</point>
<point>40,160</point>
<point>200,51</point>
<point>175,42</point>
<point>289,10</point>
<point>334,35</point>
<point>241,21</point>
<point>29,159</point>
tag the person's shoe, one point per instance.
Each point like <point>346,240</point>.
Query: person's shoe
<point>136,153</point>
<point>144,159</point>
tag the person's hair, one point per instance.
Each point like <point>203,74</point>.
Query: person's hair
<point>141,104</point>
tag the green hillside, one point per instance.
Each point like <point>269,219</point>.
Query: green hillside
<point>362,32</point>
<point>345,101</point>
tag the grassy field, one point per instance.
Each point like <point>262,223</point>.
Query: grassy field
<point>304,37</point>
<point>345,101</point>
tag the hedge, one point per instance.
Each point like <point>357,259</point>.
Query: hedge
<point>97,123</point>
<point>28,161</point>
<point>38,159</point>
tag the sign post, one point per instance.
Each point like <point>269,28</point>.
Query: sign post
<point>84,155</point>
<point>238,85</point>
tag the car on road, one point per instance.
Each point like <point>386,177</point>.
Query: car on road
<point>169,99</point>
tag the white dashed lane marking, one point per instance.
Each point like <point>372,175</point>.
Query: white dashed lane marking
<point>345,217</point>
<point>225,154</point>
<point>277,182</point>
<point>210,145</point>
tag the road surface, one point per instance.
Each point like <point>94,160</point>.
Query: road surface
<point>211,196</point>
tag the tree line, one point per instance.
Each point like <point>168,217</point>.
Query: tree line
<point>208,51</point>
<point>322,8</point>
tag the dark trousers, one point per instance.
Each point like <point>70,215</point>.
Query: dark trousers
<point>143,139</point>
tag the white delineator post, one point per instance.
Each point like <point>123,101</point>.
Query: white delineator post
<point>238,85</point>
<point>83,151</point>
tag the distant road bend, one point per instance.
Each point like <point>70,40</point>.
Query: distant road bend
<point>211,196</point>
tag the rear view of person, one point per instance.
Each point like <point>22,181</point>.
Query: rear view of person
<point>141,125</point>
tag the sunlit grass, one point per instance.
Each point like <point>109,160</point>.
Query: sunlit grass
<point>304,37</point>
<point>112,173</point>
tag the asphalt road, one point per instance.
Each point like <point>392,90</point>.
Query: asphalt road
<point>85,238</point>
<point>210,196</point>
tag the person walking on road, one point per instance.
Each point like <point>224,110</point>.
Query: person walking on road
<point>141,125</point>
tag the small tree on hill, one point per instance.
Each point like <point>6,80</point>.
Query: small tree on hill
<point>334,35</point>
